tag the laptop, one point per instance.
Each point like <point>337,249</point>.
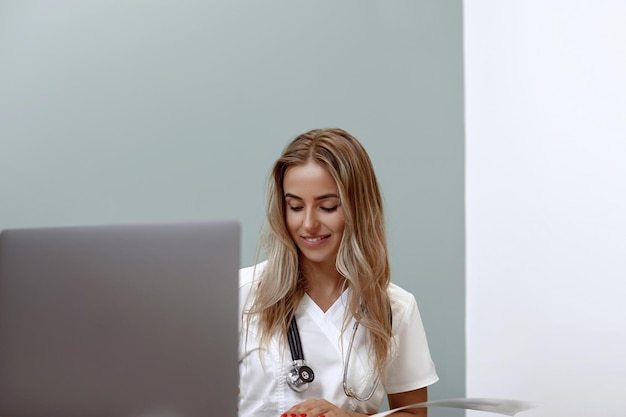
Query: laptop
<point>119,321</point>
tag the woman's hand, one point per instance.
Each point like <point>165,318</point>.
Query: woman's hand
<point>314,407</point>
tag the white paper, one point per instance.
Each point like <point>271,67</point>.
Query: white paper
<point>492,405</point>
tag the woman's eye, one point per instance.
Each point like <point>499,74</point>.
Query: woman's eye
<point>295,208</point>
<point>329,209</point>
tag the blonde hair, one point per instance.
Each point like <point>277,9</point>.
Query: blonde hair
<point>363,259</point>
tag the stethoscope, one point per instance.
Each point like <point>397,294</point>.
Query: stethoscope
<point>301,375</point>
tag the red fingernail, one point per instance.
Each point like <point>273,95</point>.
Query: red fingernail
<point>302,415</point>
<point>292,415</point>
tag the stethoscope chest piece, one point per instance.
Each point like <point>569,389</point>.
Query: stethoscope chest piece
<point>300,376</point>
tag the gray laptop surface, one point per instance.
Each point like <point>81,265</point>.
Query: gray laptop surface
<point>116,321</point>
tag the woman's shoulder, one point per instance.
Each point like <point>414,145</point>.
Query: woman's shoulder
<point>402,301</point>
<point>251,273</point>
<point>398,294</point>
<point>247,277</point>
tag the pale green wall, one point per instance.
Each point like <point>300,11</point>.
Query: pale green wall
<point>142,111</point>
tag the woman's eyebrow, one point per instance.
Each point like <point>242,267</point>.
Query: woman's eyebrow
<point>321,197</point>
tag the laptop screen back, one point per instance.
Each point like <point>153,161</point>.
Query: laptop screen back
<point>135,320</point>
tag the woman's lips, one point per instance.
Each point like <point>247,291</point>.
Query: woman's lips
<point>314,240</point>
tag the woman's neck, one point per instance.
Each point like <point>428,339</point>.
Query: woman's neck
<point>324,285</point>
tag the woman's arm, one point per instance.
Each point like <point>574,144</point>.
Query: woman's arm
<point>407,398</point>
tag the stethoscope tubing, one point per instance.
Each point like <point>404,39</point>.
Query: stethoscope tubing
<point>295,345</point>
<point>347,390</point>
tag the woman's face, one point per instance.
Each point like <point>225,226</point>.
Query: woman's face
<point>314,215</point>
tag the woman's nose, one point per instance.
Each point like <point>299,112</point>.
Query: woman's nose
<point>311,222</point>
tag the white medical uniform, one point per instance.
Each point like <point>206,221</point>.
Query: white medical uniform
<point>262,372</point>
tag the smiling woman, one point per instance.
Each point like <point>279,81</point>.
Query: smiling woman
<point>327,270</point>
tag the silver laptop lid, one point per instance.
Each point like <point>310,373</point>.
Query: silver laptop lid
<point>134,320</point>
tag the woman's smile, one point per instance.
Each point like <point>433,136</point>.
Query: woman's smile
<point>315,240</point>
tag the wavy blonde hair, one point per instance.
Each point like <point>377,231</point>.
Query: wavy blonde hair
<point>363,259</point>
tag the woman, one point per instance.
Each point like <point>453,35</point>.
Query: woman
<point>326,282</point>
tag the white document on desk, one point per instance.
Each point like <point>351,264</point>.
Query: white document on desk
<point>492,405</point>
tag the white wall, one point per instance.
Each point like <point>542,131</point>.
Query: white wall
<point>546,204</point>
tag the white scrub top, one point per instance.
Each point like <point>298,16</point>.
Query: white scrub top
<point>262,372</point>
